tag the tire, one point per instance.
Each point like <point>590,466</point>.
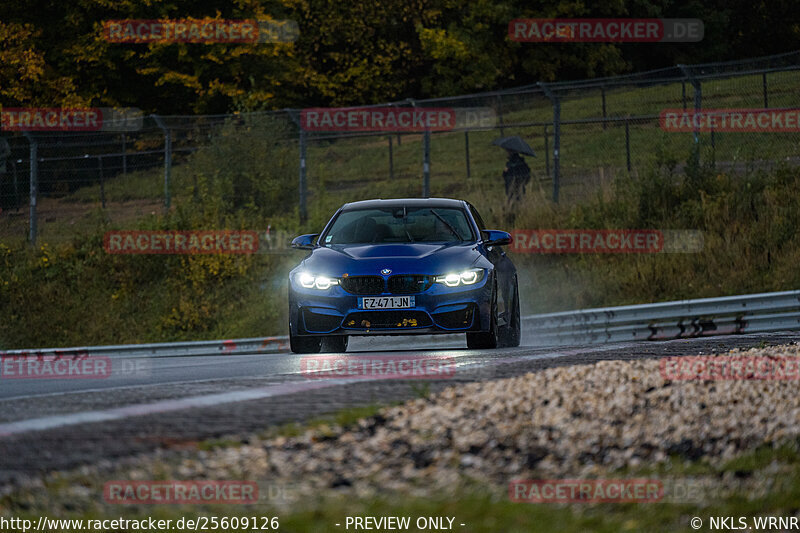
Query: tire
<point>304,344</point>
<point>513,335</point>
<point>334,344</point>
<point>486,340</point>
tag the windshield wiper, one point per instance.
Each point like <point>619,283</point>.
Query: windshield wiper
<point>446,223</point>
<point>405,224</point>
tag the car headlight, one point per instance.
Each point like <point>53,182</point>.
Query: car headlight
<point>310,281</point>
<point>467,277</point>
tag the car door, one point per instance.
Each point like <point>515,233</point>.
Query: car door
<point>504,270</point>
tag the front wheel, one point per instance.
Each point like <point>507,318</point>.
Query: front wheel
<point>304,344</point>
<point>486,340</point>
<point>513,334</point>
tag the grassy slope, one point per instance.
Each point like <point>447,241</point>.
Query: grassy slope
<point>80,296</point>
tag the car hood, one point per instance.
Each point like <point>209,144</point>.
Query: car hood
<point>412,258</point>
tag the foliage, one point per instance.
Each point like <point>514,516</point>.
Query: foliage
<point>348,53</point>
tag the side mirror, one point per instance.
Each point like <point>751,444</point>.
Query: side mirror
<point>304,242</point>
<point>493,237</point>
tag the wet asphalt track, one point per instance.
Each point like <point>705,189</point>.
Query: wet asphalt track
<point>167,402</point>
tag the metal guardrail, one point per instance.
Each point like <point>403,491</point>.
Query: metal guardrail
<point>749,313</point>
<point>169,349</point>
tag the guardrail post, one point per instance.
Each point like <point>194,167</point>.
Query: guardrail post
<point>34,155</point>
<point>556,137</point>
<point>167,158</point>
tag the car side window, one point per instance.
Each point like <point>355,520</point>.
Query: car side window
<point>477,217</point>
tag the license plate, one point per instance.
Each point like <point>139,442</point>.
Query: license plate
<point>386,302</point>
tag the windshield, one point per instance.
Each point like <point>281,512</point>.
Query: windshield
<point>400,224</point>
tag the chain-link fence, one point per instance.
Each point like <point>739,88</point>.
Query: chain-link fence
<point>585,133</point>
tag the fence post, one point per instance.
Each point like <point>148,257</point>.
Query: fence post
<point>683,94</point>
<point>102,181</point>
<point>167,158</point>
<point>603,93</point>
<point>500,114</point>
<point>713,150</point>
<point>698,104</point>
<point>391,159</point>
<point>426,164</point>
<point>547,150</point>
<point>627,144</point>
<point>34,155</point>
<point>16,185</point>
<point>466,151</point>
<point>556,137</point>
<point>764,85</point>
<point>124,154</point>
<point>302,184</point>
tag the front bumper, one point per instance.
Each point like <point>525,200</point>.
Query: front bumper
<point>439,309</point>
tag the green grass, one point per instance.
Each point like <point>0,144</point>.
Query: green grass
<point>343,418</point>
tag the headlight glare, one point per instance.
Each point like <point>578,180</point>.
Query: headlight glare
<point>467,277</point>
<point>309,281</point>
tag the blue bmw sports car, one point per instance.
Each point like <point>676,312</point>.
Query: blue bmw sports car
<point>400,267</point>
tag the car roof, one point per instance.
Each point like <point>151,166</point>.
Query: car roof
<point>399,202</point>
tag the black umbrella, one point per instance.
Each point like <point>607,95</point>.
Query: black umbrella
<point>515,144</point>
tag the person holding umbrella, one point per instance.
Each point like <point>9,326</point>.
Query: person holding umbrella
<point>517,173</point>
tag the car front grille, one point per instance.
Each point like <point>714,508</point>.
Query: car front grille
<point>363,284</point>
<point>409,284</point>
